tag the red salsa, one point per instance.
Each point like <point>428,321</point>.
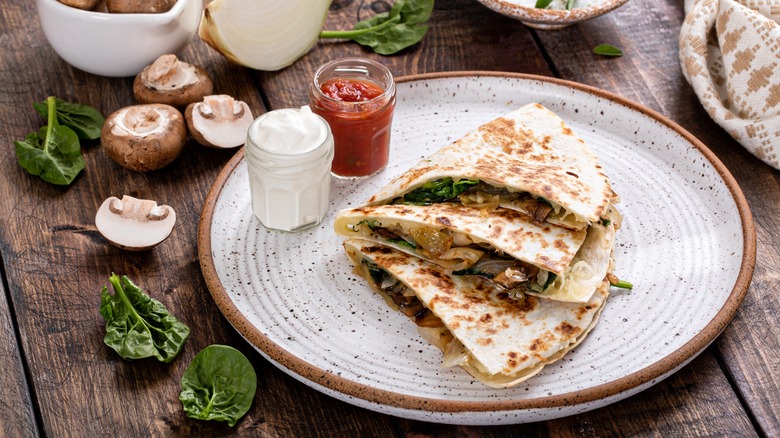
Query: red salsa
<point>359,113</point>
<point>350,90</point>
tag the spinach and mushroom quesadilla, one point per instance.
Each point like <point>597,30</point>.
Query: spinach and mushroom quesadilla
<point>498,340</point>
<point>504,246</point>
<point>528,160</point>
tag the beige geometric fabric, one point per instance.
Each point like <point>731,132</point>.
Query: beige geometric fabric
<point>730,54</point>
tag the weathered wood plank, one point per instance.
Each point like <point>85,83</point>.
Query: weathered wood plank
<point>696,401</point>
<point>56,264</point>
<point>463,35</point>
<point>16,402</point>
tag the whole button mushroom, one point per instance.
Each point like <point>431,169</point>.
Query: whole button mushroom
<point>219,121</point>
<point>144,137</point>
<point>173,82</point>
<point>134,224</point>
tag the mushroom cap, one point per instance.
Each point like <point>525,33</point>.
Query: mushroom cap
<point>144,137</point>
<point>134,224</point>
<point>219,121</point>
<point>139,6</point>
<point>173,82</point>
<point>86,5</point>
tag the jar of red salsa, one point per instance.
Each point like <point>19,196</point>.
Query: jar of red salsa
<point>357,98</point>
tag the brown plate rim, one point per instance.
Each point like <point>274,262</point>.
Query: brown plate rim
<point>377,396</point>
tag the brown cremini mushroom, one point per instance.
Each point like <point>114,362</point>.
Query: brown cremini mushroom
<point>144,137</point>
<point>139,6</point>
<point>219,121</point>
<point>134,224</point>
<point>86,5</point>
<point>173,82</point>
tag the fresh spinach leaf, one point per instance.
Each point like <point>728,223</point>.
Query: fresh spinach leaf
<point>607,50</point>
<point>84,120</point>
<point>372,224</point>
<point>138,326</point>
<point>53,152</point>
<point>404,243</point>
<point>472,271</point>
<point>622,284</point>
<point>439,190</point>
<point>541,4</point>
<point>390,32</point>
<point>219,385</point>
<point>374,271</point>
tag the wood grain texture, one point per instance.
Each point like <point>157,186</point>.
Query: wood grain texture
<point>463,35</point>
<point>56,263</point>
<point>16,402</point>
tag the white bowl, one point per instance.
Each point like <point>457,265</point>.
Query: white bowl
<point>117,44</point>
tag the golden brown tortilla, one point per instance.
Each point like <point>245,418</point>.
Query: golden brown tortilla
<point>527,150</point>
<point>499,340</point>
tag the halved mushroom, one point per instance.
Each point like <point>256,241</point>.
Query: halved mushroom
<point>144,137</point>
<point>139,6</point>
<point>171,81</point>
<point>134,224</point>
<point>219,121</point>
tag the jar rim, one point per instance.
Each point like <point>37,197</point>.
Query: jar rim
<point>253,151</point>
<point>357,64</point>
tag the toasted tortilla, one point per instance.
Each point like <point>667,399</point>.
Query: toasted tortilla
<point>546,246</point>
<point>499,340</point>
<point>529,150</point>
<point>580,259</point>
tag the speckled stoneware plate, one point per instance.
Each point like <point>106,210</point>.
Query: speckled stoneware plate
<point>687,244</point>
<point>555,16</point>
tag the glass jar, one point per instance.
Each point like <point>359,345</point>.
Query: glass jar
<point>289,154</point>
<point>357,98</point>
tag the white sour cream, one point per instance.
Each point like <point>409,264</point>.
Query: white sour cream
<point>289,131</point>
<point>289,154</point>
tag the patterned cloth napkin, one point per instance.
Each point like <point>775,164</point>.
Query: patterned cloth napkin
<point>730,54</point>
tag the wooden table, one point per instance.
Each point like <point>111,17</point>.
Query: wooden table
<point>59,379</point>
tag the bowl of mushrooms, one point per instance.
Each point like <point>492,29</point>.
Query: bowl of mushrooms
<point>117,38</point>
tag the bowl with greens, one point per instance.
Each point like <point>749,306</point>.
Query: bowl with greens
<point>552,14</point>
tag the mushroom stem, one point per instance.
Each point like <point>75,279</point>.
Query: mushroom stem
<point>168,71</point>
<point>221,106</point>
<point>134,224</point>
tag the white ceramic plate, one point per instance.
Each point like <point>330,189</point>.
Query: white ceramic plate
<point>687,244</point>
<point>554,16</point>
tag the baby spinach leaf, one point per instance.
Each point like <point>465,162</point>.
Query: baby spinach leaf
<point>219,385</point>
<point>439,190</point>
<point>84,120</point>
<point>138,326</point>
<point>607,50</point>
<point>390,32</point>
<point>53,152</point>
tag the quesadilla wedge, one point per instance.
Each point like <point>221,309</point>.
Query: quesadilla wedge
<point>503,246</point>
<point>498,340</point>
<point>528,161</point>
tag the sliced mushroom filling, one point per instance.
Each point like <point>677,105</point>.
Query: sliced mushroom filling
<point>479,194</point>
<point>459,253</point>
<point>398,295</point>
